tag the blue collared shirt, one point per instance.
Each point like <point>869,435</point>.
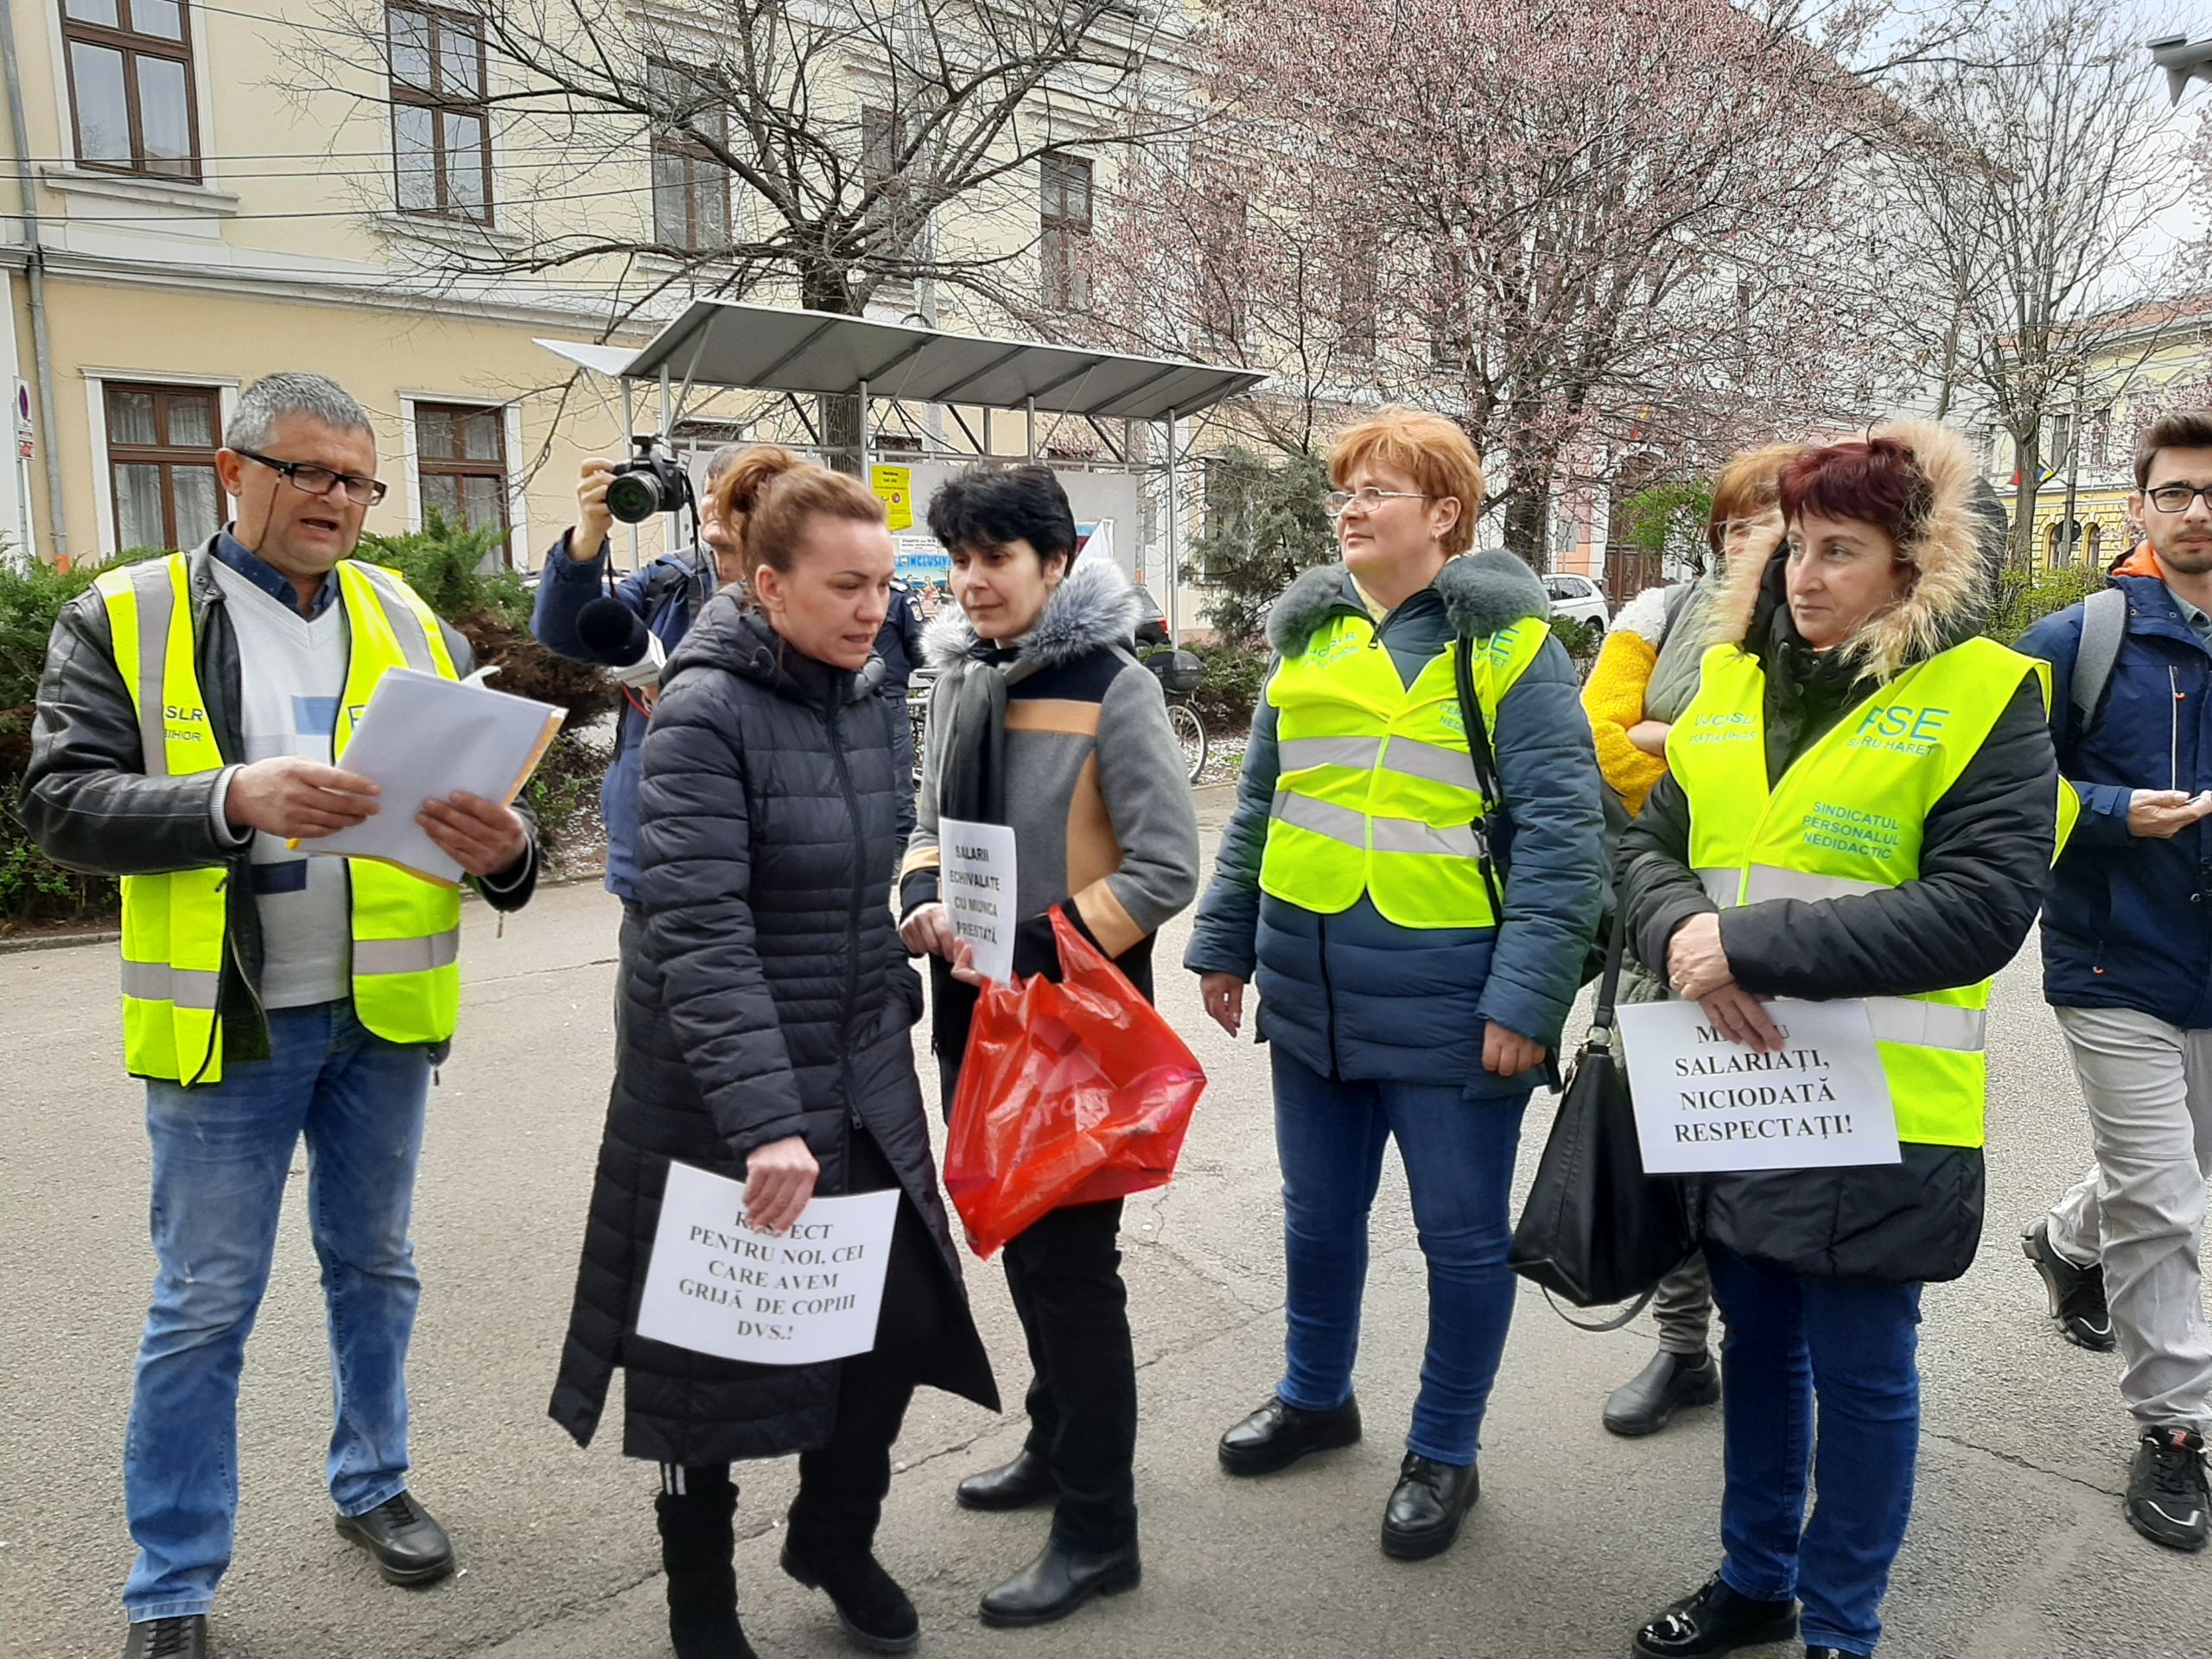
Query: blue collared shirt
<point>267,578</point>
<point>2198,618</point>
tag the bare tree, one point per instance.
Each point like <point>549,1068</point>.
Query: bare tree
<point>2027,222</point>
<point>832,154</point>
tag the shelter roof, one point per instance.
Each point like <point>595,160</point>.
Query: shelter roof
<point>767,348</point>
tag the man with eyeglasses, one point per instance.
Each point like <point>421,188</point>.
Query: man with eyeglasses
<point>190,727</point>
<point>2127,964</point>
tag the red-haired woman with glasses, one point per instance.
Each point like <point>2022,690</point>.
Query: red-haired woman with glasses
<point>1412,987</point>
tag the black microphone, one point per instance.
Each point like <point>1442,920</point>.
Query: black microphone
<point>613,633</point>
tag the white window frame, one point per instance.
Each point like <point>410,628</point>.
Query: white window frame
<point>96,383</point>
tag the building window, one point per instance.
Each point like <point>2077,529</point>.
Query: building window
<point>1064,222</point>
<point>441,122</point>
<point>1220,271</point>
<point>690,186</point>
<point>896,235</point>
<point>161,457</point>
<point>461,456</point>
<point>130,85</point>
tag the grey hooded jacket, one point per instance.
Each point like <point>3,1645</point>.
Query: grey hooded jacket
<point>1064,737</point>
<point>1356,996</point>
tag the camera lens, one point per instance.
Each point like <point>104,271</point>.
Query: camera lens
<point>632,498</point>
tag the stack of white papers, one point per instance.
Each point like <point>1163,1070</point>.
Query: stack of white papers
<point>422,738</point>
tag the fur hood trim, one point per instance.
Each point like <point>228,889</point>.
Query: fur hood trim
<point>1957,550</point>
<point>1482,592</point>
<point>1095,606</point>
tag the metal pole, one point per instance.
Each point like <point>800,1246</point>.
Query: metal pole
<point>2073,474</point>
<point>1031,405</point>
<point>35,285</point>
<point>667,408</point>
<point>865,434</point>
<point>629,431</point>
<point>990,443</point>
<point>1174,535</point>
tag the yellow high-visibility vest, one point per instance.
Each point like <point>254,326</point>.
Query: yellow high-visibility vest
<point>406,929</point>
<point>1376,791</point>
<point>1846,818</point>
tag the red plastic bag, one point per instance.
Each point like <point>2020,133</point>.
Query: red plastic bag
<point>1072,1093</point>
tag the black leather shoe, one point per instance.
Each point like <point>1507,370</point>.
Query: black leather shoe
<point>1425,1508</point>
<point>184,1638</point>
<point>1829,1653</point>
<point>875,1613</point>
<point>410,1548</point>
<point>1715,1619</point>
<point>1276,1436</point>
<point>1057,1582</point>
<point>1016,1486</point>
<point>1646,1402</point>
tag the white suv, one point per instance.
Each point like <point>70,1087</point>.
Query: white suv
<point>1579,597</point>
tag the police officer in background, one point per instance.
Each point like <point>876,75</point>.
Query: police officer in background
<point>900,645</point>
<point>266,995</point>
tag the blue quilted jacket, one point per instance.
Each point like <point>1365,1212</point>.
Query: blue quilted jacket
<point>1357,996</point>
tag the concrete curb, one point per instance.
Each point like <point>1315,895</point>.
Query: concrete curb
<point>58,940</point>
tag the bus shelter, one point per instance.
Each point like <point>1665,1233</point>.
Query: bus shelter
<point>888,369</point>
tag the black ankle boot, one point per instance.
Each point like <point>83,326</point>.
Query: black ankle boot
<point>876,1613</point>
<point>698,1547</point>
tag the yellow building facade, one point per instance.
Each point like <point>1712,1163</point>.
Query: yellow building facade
<point>2152,359</point>
<point>185,215</point>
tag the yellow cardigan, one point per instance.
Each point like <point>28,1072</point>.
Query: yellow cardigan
<point>1613,698</point>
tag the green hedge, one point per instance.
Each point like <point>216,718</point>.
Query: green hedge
<point>444,563</point>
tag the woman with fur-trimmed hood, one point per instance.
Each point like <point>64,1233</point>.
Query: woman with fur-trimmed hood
<point>1042,719</point>
<point>1863,802</point>
<point>1411,987</point>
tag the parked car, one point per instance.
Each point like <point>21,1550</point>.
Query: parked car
<point>1579,597</point>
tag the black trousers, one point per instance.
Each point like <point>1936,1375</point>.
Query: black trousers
<point>1065,1275</point>
<point>842,1485</point>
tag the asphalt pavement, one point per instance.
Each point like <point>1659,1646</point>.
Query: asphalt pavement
<point>2017,1550</point>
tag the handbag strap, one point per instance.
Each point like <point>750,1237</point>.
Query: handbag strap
<point>1486,784</point>
<point>1601,1012</point>
<point>1614,1324</point>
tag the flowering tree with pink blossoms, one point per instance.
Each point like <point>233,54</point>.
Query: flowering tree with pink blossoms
<point>1638,225</point>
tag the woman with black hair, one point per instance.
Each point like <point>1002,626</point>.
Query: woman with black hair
<point>1042,719</point>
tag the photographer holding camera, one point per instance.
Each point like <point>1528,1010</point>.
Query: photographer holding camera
<point>575,617</point>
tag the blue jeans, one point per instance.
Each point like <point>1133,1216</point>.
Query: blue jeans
<point>1793,1339</point>
<point>1459,1158</point>
<point>221,1155</point>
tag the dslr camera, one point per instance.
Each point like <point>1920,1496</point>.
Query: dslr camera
<point>650,481</point>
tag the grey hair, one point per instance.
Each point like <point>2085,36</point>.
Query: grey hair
<point>264,402</point>
<point>723,460</point>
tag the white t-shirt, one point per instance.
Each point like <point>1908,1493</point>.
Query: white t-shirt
<point>291,675</point>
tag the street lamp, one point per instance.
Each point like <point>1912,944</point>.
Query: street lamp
<point>2183,61</point>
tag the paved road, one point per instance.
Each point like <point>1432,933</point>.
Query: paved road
<point>2017,1552</point>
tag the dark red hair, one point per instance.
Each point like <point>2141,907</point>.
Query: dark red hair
<point>1875,481</point>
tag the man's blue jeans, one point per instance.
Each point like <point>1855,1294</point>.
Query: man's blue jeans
<point>1793,1338</point>
<point>1459,1158</point>
<point>221,1155</point>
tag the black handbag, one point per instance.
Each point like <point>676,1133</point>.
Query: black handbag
<point>1596,1229</point>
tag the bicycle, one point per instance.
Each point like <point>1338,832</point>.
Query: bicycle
<point>1180,674</point>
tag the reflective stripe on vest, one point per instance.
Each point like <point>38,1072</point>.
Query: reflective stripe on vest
<point>1376,792</point>
<point>1847,819</point>
<point>406,931</point>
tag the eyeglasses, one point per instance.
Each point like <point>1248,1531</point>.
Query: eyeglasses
<point>310,479</point>
<point>1337,503</point>
<point>2176,498</point>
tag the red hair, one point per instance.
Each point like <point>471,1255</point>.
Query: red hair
<point>1877,481</point>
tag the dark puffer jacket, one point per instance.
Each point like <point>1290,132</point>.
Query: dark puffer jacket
<point>772,998</point>
<point>1985,859</point>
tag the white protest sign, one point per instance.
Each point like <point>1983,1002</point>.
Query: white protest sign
<point>977,880</point>
<point>717,1285</point>
<point>1703,1103</point>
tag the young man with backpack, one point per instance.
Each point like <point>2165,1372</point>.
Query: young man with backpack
<point>2127,965</point>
